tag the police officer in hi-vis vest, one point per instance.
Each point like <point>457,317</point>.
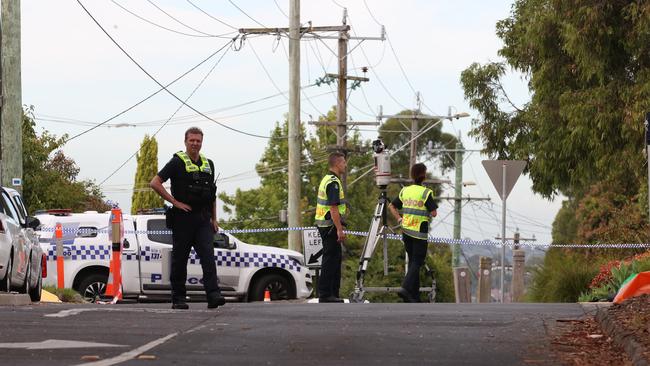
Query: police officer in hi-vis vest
<point>193,219</point>
<point>418,206</point>
<point>331,209</point>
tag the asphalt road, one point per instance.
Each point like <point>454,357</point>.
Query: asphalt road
<point>281,333</point>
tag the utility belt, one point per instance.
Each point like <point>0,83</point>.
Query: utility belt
<point>173,214</point>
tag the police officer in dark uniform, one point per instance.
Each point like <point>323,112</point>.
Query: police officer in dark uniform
<point>331,209</point>
<point>193,217</point>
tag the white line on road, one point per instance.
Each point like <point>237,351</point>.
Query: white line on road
<point>131,354</point>
<point>77,311</point>
<point>57,344</point>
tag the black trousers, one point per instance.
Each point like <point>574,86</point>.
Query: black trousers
<point>330,274</point>
<point>189,230</point>
<point>417,252</point>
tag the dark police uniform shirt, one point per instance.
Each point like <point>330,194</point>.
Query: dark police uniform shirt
<point>430,204</point>
<point>332,196</point>
<point>175,169</point>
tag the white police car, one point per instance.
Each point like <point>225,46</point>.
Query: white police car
<point>245,271</point>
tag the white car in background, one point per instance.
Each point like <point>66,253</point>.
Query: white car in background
<point>21,258</point>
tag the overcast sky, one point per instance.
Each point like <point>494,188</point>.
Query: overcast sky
<point>75,77</point>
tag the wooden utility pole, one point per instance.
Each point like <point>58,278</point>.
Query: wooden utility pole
<point>342,92</point>
<point>414,133</point>
<point>295,142</point>
<point>11,112</point>
<point>296,32</point>
<point>518,267</point>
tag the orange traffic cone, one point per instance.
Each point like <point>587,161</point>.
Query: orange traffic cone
<point>267,296</point>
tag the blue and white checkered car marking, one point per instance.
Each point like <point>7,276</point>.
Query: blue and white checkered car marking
<point>223,258</point>
<point>81,252</point>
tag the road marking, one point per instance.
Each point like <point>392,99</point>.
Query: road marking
<point>71,312</point>
<point>57,344</point>
<point>131,354</point>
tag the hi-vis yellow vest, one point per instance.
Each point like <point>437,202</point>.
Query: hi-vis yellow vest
<point>190,167</point>
<point>322,207</point>
<point>414,213</point>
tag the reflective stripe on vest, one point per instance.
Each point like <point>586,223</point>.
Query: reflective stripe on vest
<point>190,167</point>
<point>414,212</point>
<point>322,206</point>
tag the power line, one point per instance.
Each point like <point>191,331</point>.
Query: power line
<point>383,86</point>
<point>249,17</point>
<point>151,95</point>
<point>176,20</point>
<point>212,17</point>
<point>183,103</point>
<point>302,91</point>
<point>165,28</point>
<point>280,9</point>
<point>176,120</point>
<point>157,82</point>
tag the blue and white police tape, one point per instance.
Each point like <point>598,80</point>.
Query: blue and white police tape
<point>80,232</point>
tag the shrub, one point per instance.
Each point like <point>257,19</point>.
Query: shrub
<point>562,277</point>
<point>612,275</point>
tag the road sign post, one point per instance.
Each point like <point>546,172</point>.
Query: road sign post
<point>313,251</point>
<point>504,175</point>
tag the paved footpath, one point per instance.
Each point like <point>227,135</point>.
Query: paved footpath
<point>281,333</point>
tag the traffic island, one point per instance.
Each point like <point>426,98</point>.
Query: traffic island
<point>619,322</point>
<point>14,299</point>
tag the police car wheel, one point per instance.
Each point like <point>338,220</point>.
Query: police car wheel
<point>35,292</point>
<point>93,287</point>
<point>277,285</point>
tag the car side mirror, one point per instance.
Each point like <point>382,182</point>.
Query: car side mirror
<point>222,241</point>
<point>32,222</point>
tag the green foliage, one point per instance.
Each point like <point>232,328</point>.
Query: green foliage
<point>50,178</point>
<point>565,224</point>
<point>605,214</point>
<point>602,293</point>
<point>588,75</point>
<point>147,158</point>
<point>65,294</point>
<point>562,277</point>
<point>619,275</point>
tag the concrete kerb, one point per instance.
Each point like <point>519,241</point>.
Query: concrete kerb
<point>14,299</point>
<point>634,349</point>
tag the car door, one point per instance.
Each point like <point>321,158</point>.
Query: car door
<point>153,243</point>
<point>31,237</point>
<point>20,259</point>
<point>157,242</point>
<point>130,264</point>
<point>227,256</point>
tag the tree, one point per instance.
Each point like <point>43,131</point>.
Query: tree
<point>143,196</point>
<point>587,67</point>
<point>50,178</point>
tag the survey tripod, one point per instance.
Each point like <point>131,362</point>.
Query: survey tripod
<point>379,230</point>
